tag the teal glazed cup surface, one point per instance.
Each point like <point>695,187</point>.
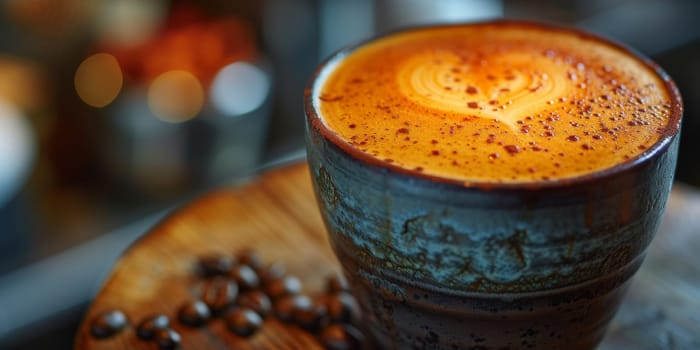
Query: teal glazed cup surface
<point>436,264</point>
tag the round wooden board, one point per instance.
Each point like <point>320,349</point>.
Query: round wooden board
<point>277,215</point>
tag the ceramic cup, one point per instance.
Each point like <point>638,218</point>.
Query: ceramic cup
<point>436,264</point>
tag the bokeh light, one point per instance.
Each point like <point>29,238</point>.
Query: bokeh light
<point>129,23</point>
<point>22,83</point>
<point>175,96</point>
<point>239,88</point>
<point>98,80</point>
<point>17,150</point>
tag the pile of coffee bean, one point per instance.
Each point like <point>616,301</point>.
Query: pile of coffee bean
<point>242,291</point>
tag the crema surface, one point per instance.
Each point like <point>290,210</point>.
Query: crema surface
<point>494,102</point>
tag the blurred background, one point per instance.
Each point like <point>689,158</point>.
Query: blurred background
<point>114,111</point>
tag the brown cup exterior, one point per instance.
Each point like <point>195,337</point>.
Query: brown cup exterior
<point>437,264</point>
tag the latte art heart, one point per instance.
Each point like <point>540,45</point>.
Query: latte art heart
<point>449,84</point>
<point>505,102</point>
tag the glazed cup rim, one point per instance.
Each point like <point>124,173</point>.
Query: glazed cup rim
<point>659,147</point>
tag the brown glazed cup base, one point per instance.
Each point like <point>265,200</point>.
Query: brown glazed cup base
<point>572,318</point>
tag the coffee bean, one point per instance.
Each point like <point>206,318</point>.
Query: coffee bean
<point>311,318</point>
<point>286,306</point>
<point>245,277</point>
<point>257,301</point>
<point>287,285</point>
<point>243,322</point>
<point>219,293</point>
<point>108,323</point>
<point>167,338</point>
<point>250,258</point>
<point>342,307</point>
<point>215,265</point>
<point>148,327</point>
<point>272,273</point>
<point>341,337</point>
<point>194,314</point>
<point>336,284</point>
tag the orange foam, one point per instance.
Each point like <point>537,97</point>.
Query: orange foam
<point>496,102</point>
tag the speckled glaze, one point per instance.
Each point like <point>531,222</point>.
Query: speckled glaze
<point>440,265</point>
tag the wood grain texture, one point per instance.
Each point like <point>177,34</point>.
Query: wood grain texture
<point>277,215</point>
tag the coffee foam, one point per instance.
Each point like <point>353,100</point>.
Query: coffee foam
<point>497,102</point>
